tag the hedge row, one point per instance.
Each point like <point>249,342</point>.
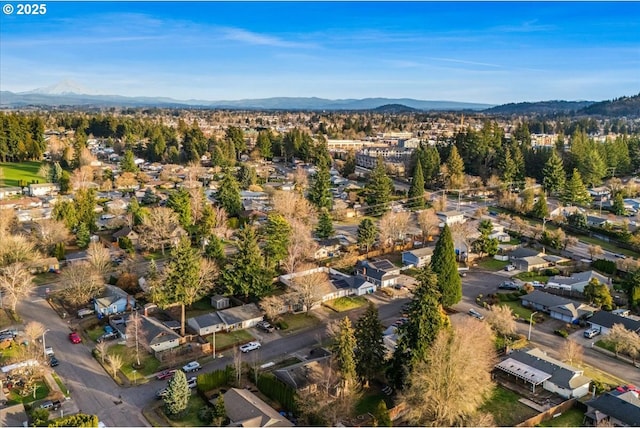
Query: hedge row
<point>278,391</point>
<point>77,420</point>
<point>208,381</point>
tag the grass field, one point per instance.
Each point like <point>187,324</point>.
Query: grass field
<point>149,362</point>
<point>518,309</point>
<point>228,340</point>
<point>343,304</point>
<point>492,264</point>
<point>297,322</point>
<point>571,418</point>
<point>506,409</point>
<point>16,171</point>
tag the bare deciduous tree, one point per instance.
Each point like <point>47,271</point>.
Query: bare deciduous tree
<point>301,246</point>
<point>115,364</point>
<point>452,383</point>
<point>16,283</point>
<point>292,206</point>
<point>595,250</point>
<point>221,229</point>
<point>101,347</point>
<point>500,318</point>
<point>82,177</point>
<point>301,179</point>
<point>34,330</point>
<point>272,307</point>
<point>126,180</point>
<point>49,232</point>
<point>81,283</point>
<point>207,273</point>
<point>464,233</point>
<point>393,228</point>
<point>428,222</point>
<point>136,335</point>
<point>158,228</point>
<point>17,248</point>
<point>572,352</point>
<point>99,258</point>
<point>310,288</point>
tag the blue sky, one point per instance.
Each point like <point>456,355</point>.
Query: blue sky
<point>460,51</point>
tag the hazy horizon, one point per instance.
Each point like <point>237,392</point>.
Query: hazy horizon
<point>477,52</point>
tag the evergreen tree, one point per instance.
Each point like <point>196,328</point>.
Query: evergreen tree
<point>378,190</point>
<point>344,344</point>
<point>593,168</point>
<point>425,315</point>
<point>127,163</point>
<point>178,393</point>
<point>229,194</point>
<point>246,274</point>
<point>320,191</point>
<point>575,192</point>
<point>381,416</point>
<point>324,229</point>
<point>85,208</point>
<point>277,233</point>
<point>455,169</point>
<point>367,233</point>
<point>83,236</point>
<point>553,173</point>
<point>598,294</point>
<point>214,250</point>
<point>416,191</point>
<point>484,244</point>
<point>264,144</point>
<point>349,166</point>
<point>181,274</point>
<point>443,263</point>
<point>430,163</point>
<point>540,208</point>
<point>370,349</point>
<point>180,202</point>
<point>219,411</point>
<point>618,204</point>
<point>508,167</point>
<point>518,160</point>
<point>137,212</point>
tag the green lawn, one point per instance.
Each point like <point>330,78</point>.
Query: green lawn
<point>489,263</point>
<point>369,402</point>
<point>190,419</point>
<point>228,340</point>
<point>201,307</point>
<point>506,409</point>
<point>571,418</point>
<point>600,376</point>
<point>607,246</point>
<point>518,309</point>
<point>16,171</point>
<point>95,332</point>
<point>343,304</point>
<point>61,385</point>
<point>149,362</point>
<point>41,392</point>
<point>297,322</point>
<point>527,277</point>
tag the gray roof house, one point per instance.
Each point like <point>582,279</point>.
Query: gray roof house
<point>618,408</point>
<point>577,281</point>
<point>115,301</point>
<point>536,368</point>
<point>245,409</point>
<point>522,252</point>
<point>381,273</point>
<point>158,336</point>
<point>235,318</point>
<point>556,306</point>
<point>604,321</point>
<point>418,257</point>
<point>306,375</point>
<point>530,263</point>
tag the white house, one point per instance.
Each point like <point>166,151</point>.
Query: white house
<point>536,368</point>
<point>44,189</point>
<point>577,281</point>
<point>450,217</point>
<point>235,318</point>
<point>418,257</point>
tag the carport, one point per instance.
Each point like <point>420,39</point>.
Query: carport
<point>522,371</point>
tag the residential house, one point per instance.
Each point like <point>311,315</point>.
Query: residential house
<point>530,263</point>
<point>235,318</point>
<point>332,284</point>
<point>327,248</point>
<point>381,273</point>
<point>7,192</point>
<point>418,257</point>
<point>596,221</point>
<point>13,416</point>
<point>576,281</point>
<point>114,301</point>
<point>556,306</point>
<point>618,408</point>
<point>600,194</point>
<point>126,232</point>
<point>534,367</point>
<point>604,321</point>
<point>450,217</point>
<point>245,409</point>
<point>306,375</point>
<point>44,189</point>
<point>158,336</point>
<point>565,211</point>
<point>522,252</point>
<point>220,302</point>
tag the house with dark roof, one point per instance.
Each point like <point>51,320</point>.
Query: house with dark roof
<point>576,281</point>
<point>115,301</point>
<point>13,416</point>
<point>332,284</point>
<point>604,321</point>
<point>535,368</point>
<point>417,257</point>
<point>158,336</point>
<point>619,408</point>
<point>596,221</point>
<point>381,273</point>
<point>556,306</point>
<point>245,409</point>
<point>306,375</point>
<point>126,232</point>
<point>522,252</point>
<point>235,318</point>
<point>530,263</point>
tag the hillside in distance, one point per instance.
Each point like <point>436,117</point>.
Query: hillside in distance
<point>540,107</point>
<point>623,106</point>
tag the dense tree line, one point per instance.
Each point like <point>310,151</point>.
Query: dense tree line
<point>21,137</point>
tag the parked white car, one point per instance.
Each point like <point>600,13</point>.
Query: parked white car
<point>250,346</point>
<point>193,366</point>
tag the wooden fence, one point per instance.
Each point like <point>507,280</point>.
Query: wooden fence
<point>549,414</point>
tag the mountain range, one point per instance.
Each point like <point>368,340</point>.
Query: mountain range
<point>69,93</point>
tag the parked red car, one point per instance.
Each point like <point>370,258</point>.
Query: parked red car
<point>165,374</point>
<point>74,337</point>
